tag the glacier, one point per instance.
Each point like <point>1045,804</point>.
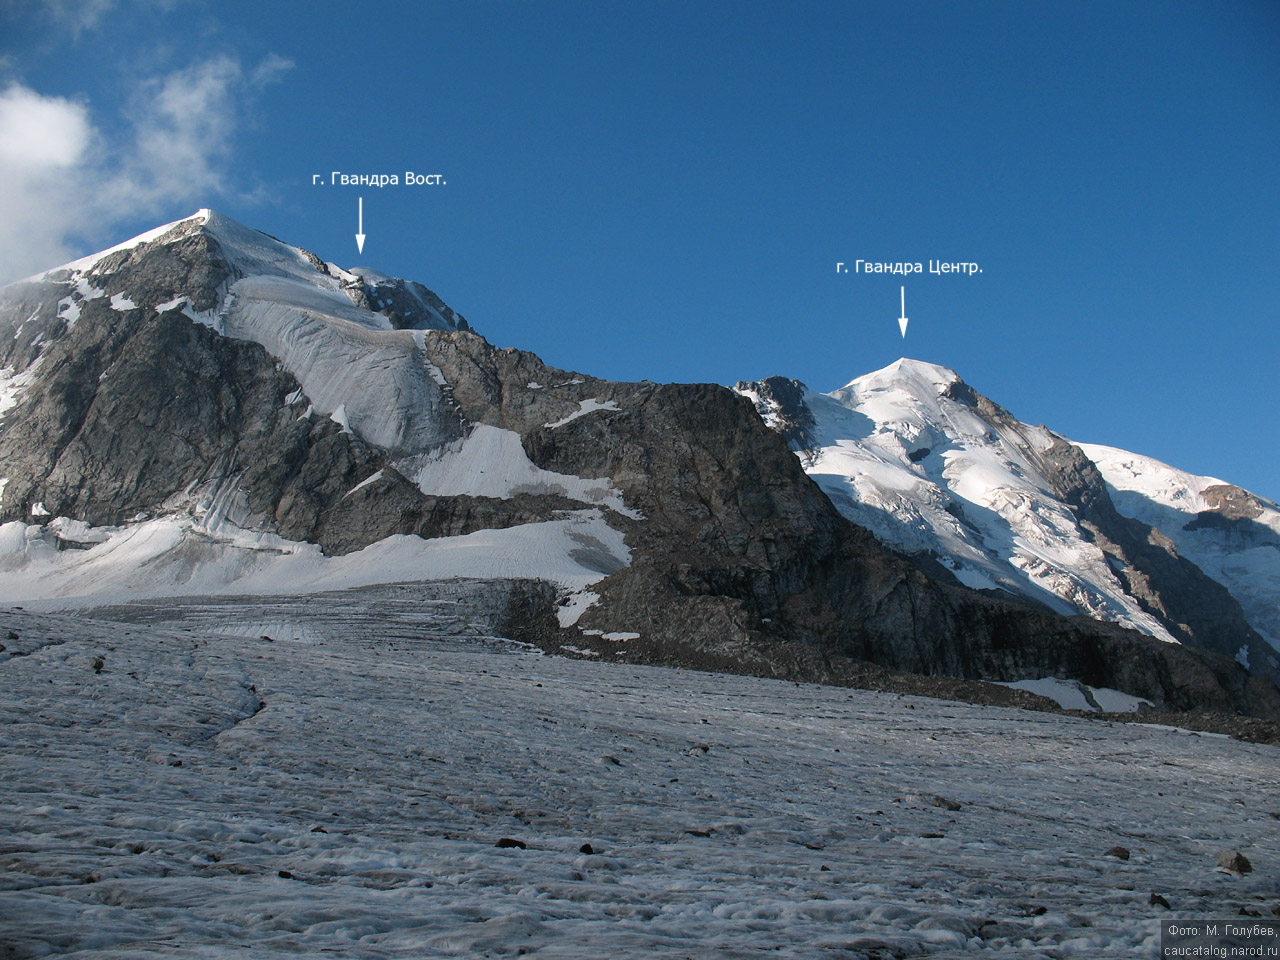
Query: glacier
<point>333,776</point>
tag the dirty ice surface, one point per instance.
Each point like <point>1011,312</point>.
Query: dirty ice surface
<point>173,783</point>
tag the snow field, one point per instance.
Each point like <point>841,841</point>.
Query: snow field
<point>174,792</point>
<point>178,555</point>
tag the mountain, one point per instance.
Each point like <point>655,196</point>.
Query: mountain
<point>1228,532</point>
<point>208,410</point>
<point>950,478</point>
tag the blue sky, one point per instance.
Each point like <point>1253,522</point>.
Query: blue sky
<point>661,191</point>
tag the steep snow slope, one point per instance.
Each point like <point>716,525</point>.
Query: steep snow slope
<point>899,451</point>
<point>1231,534</point>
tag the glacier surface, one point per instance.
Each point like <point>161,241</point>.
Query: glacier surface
<point>330,776</point>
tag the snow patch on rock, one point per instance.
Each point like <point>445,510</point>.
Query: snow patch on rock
<point>1074,695</point>
<point>574,605</point>
<point>372,478</point>
<point>13,384</point>
<point>584,407</point>
<point>491,462</point>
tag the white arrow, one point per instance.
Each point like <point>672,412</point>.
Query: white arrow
<point>360,228</point>
<point>902,320</point>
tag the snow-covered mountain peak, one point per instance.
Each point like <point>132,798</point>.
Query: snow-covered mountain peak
<point>906,373</point>
<point>246,247</point>
<point>928,464</point>
<point>85,265</point>
<point>907,392</point>
<point>380,301</point>
<point>352,340</point>
<point>246,251</point>
<point>254,252</point>
<point>243,389</point>
<point>906,408</point>
<point>931,466</point>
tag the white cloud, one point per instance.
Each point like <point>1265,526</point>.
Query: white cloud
<point>185,127</point>
<point>43,143</point>
<point>41,133</point>
<point>62,182</point>
<point>272,68</point>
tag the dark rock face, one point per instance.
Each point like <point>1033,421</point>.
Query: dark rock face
<point>742,563</point>
<point>783,399</point>
<point>738,562</point>
<point>101,435</point>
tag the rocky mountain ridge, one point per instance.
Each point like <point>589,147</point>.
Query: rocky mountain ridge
<point>208,410</point>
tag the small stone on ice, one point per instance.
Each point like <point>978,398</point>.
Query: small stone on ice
<point>1233,861</point>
